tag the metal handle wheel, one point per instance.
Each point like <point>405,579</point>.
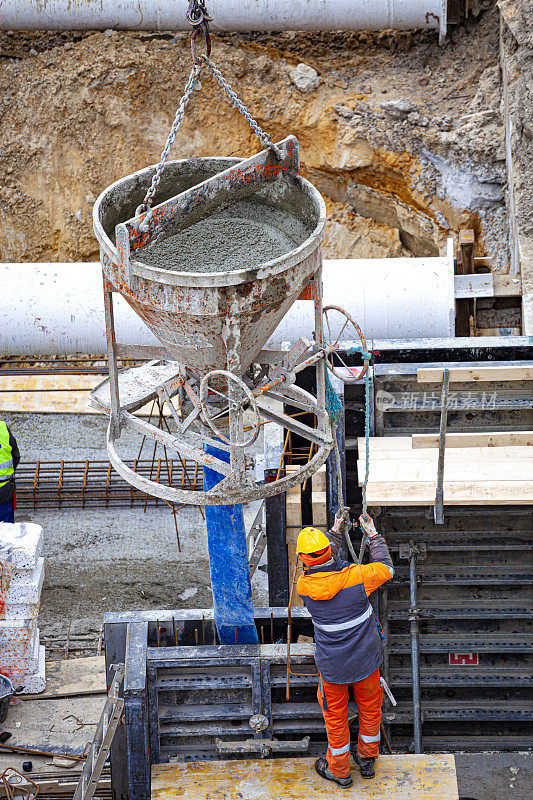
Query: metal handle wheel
<point>233,396</point>
<point>338,323</point>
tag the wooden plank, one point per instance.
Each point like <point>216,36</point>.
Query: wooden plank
<point>73,676</point>
<point>62,785</point>
<point>71,402</point>
<point>319,499</point>
<point>455,453</point>
<point>46,403</point>
<point>61,394</point>
<point>319,503</point>
<point>52,382</point>
<point>293,524</point>
<point>293,510</point>
<point>473,374</point>
<point>293,503</point>
<point>463,470</point>
<point>403,777</point>
<point>499,332</point>
<point>385,443</point>
<point>485,439</point>
<point>52,394</point>
<point>318,480</point>
<point>474,285</point>
<point>468,493</point>
<point>290,469</point>
<point>507,286</point>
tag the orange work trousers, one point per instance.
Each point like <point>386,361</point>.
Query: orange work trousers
<point>333,699</point>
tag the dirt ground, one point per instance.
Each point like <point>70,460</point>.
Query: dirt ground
<point>403,137</point>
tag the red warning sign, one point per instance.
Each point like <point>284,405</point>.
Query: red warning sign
<point>463,659</point>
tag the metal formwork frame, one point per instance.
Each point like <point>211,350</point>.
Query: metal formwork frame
<point>467,599</point>
<point>133,639</point>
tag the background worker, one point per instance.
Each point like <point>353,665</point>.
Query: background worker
<point>349,649</point>
<point>9,460</point>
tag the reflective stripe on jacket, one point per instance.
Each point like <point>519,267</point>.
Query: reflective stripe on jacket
<point>6,455</point>
<point>348,645</point>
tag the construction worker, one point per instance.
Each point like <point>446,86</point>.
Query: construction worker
<point>9,460</point>
<point>349,648</point>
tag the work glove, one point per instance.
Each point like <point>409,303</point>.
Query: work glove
<point>367,524</point>
<point>341,519</point>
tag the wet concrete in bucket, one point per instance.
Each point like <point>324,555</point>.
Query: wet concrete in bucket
<point>226,242</point>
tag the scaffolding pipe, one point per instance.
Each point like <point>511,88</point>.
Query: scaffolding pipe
<point>58,308</point>
<point>229,15</point>
<point>415,652</point>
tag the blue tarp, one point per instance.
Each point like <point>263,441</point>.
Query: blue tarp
<point>228,563</point>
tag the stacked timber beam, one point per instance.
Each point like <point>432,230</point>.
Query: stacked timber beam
<point>479,469</point>
<point>294,517</point>
<point>52,393</point>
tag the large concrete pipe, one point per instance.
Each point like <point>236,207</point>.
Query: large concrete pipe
<point>57,308</point>
<point>229,15</point>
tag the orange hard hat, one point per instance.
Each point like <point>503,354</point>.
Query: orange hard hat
<point>311,540</point>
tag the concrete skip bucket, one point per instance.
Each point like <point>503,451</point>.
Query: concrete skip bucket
<point>211,269</point>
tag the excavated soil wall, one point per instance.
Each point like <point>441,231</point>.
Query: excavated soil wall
<point>404,138</point>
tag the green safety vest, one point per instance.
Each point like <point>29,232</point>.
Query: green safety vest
<point>6,455</point>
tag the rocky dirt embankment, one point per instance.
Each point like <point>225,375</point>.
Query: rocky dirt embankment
<point>403,137</point>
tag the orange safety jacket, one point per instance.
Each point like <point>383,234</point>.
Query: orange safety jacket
<point>348,644</point>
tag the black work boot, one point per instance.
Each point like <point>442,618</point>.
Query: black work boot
<point>321,766</point>
<point>366,765</point>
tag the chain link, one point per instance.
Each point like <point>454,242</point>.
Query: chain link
<point>264,138</point>
<point>180,113</point>
<point>198,13</point>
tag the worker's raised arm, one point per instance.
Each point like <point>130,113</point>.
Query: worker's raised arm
<point>381,570</point>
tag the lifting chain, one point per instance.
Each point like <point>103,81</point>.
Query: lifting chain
<point>197,14</point>
<point>199,17</point>
<point>335,410</point>
<point>180,113</point>
<point>263,137</point>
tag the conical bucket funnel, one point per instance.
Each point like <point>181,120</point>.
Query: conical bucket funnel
<point>241,268</point>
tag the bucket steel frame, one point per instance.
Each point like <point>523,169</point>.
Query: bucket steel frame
<point>237,485</point>
<point>274,380</point>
